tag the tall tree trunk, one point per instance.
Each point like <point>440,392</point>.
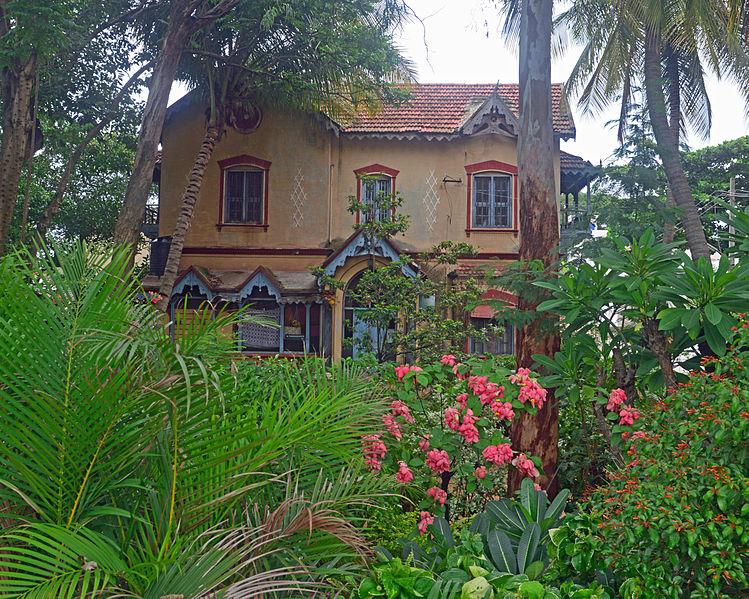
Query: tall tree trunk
<point>674,124</point>
<point>130,219</point>
<point>53,206</point>
<point>669,152</point>
<point>184,220</point>
<point>539,225</point>
<point>16,85</point>
<point>183,22</point>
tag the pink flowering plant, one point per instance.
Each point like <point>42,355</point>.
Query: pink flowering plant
<point>447,429</point>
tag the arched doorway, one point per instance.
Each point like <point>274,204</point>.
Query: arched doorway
<point>359,336</point>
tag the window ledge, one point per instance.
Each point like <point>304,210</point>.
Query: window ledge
<point>490,230</point>
<point>262,226</point>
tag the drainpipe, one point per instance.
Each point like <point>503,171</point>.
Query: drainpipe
<point>330,186</point>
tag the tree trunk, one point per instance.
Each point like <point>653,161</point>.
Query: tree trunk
<point>655,341</point>
<point>16,86</point>
<point>539,226</point>
<point>182,24</point>
<point>130,219</point>
<point>674,124</point>
<point>669,152</point>
<point>184,220</point>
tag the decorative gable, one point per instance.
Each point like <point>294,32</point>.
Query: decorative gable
<point>359,245</point>
<point>258,280</point>
<point>493,116</point>
<point>191,279</point>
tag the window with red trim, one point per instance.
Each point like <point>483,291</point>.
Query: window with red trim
<point>373,182</point>
<point>244,192</point>
<point>492,196</point>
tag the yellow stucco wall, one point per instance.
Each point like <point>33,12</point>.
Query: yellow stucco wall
<point>300,148</point>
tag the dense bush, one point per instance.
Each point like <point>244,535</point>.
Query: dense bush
<point>673,522</point>
<point>445,439</point>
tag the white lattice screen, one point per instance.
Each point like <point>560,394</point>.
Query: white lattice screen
<point>298,198</point>
<point>256,335</point>
<point>431,201</point>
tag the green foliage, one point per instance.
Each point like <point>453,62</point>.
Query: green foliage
<point>149,459</point>
<point>386,527</point>
<point>482,562</point>
<point>395,580</point>
<point>673,522</point>
<point>704,299</point>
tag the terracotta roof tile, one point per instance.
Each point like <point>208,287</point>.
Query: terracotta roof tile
<point>443,107</point>
<point>567,160</point>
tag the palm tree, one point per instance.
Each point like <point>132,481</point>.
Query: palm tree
<point>664,46</point>
<point>135,465</point>
<point>328,56</point>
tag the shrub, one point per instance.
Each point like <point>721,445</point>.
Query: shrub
<point>673,522</point>
<point>447,430</point>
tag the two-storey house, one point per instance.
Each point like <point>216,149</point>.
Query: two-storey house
<point>275,196</point>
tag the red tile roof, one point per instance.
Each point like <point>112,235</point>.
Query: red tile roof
<point>441,108</point>
<point>567,160</point>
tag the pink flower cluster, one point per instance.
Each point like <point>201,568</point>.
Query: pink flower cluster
<point>461,377</point>
<point>438,461</point>
<point>404,474</point>
<point>404,369</point>
<point>438,495</point>
<point>628,416</point>
<point>485,390</point>
<point>392,425</point>
<point>448,359</point>
<point>525,465</point>
<point>530,390</point>
<point>480,472</point>
<point>401,409</point>
<point>462,400</point>
<point>503,410</point>
<point>616,399</point>
<point>498,454</point>
<point>452,419</point>
<point>468,428</point>
<point>374,451</point>
<point>426,520</point>
<point>424,443</point>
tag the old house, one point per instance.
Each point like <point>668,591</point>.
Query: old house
<point>275,196</point>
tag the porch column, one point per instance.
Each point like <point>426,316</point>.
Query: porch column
<point>306,328</point>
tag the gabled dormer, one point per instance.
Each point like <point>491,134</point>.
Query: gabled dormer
<point>492,116</point>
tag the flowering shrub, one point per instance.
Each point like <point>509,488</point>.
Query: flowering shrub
<point>448,428</point>
<point>675,521</point>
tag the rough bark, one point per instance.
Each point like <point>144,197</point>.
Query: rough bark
<point>674,124</point>
<point>625,374</point>
<point>182,24</point>
<point>16,85</point>
<point>669,152</point>
<point>53,206</point>
<point>539,226</point>
<point>656,342</point>
<point>184,220</point>
<point>127,229</point>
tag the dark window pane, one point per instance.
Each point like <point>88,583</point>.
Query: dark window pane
<point>482,201</point>
<point>244,196</point>
<point>502,214</point>
<point>374,190</point>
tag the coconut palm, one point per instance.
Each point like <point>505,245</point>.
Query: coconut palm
<point>136,465</point>
<point>320,56</point>
<point>666,47</point>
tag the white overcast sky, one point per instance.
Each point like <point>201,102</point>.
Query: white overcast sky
<point>460,42</point>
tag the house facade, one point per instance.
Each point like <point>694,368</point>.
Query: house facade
<point>275,196</point>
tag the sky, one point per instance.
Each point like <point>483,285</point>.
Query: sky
<point>460,42</point>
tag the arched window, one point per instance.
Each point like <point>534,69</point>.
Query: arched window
<point>492,196</point>
<point>244,192</point>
